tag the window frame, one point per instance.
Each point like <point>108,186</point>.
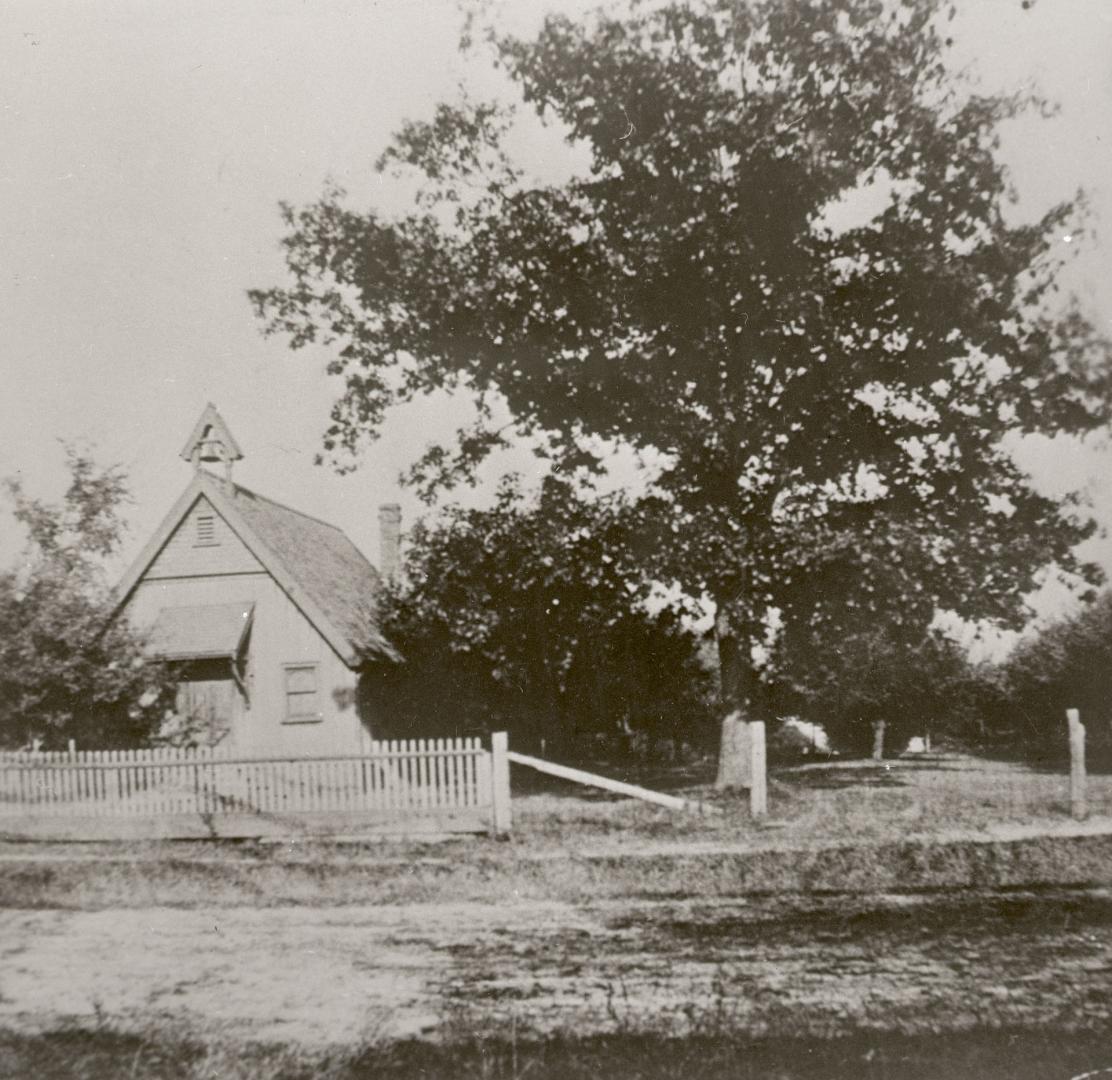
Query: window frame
<point>289,717</point>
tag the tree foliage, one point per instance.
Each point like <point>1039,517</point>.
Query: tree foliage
<point>531,615</point>
<point>66,669</point>
<point>875,689</point>
<point>1066,665</point>
<point>828,397</point>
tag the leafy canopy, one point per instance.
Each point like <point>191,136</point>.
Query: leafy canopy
<point>1066,665</point>
<point>532,614</point>
<point>913,687</point>
<point>826,397</point>
<point>67,670</point>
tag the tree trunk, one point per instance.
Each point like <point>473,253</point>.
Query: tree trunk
<point>878,740</point>
<point>735,675</point>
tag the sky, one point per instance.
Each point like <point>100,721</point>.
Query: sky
<point>145,146</point>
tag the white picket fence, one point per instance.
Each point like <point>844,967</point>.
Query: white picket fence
<point>411,785</point>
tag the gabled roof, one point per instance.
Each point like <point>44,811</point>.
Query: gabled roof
<point>317,566</point>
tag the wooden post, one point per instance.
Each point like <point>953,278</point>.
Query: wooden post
<point>734,754</point>
<point>758,770</point>
<point>1078,804</point>
<point>879,727</point>
<point>500,816</point>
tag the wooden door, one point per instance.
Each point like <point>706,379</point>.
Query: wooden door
<point>208,700</point>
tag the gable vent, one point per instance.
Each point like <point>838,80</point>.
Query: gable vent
<point>206,530</point>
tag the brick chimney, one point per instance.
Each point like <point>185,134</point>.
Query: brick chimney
<point>389,540</point>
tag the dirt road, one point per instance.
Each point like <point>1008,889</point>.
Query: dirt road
<point>321,976</point>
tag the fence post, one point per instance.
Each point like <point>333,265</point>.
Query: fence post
<point>501,818</point>
<point>734,754</point>
<point>758,771</point>
<point>1078,803</point>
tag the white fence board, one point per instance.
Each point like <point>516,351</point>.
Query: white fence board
<point>579,776</point>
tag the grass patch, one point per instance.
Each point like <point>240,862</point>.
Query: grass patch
<point>828,802</point>
<point>986,1054</point>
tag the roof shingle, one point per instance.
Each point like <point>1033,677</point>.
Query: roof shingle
<point>323,561</point>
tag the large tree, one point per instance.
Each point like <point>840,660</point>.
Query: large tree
<point>67,669</point>
<point>825,397</point>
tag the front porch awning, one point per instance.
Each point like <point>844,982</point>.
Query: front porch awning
<point>205,632</point>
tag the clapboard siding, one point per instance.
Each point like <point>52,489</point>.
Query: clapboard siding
<point>182,556</point>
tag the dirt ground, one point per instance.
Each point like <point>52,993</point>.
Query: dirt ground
<point>319,977</point>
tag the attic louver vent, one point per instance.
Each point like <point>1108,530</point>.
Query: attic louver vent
<point>206,530</point>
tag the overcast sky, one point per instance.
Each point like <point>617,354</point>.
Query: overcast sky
<point>144,147</point>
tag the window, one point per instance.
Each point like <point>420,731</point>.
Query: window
<point>302,694</point>
<point>206,531</point>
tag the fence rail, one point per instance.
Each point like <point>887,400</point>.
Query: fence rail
<point>442,784</point>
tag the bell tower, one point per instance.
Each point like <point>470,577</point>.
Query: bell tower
<point>211,442</point>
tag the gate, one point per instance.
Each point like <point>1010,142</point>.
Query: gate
<point>404,786</point>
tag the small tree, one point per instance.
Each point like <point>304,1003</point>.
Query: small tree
<point>531,615</point>
<point>66,669</point>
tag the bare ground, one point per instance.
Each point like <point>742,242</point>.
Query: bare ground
<point>337,976</point>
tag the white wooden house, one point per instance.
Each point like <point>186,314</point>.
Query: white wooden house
<point>267,614</point>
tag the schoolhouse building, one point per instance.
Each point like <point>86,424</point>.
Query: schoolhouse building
<point>268,615</point>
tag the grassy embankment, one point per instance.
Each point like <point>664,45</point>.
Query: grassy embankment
<point>988,1055</point>
<point>316,877</point>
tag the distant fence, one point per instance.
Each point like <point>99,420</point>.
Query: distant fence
<point>419,785</point>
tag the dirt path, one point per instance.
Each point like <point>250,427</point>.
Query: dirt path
<point>336,975</point>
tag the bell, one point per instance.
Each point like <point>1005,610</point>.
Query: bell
<point>212,450</point>
<point>211,442</point>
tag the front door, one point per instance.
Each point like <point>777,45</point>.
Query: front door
<point>208,700</point>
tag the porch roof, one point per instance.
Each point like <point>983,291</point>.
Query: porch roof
<point>200,632</point>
